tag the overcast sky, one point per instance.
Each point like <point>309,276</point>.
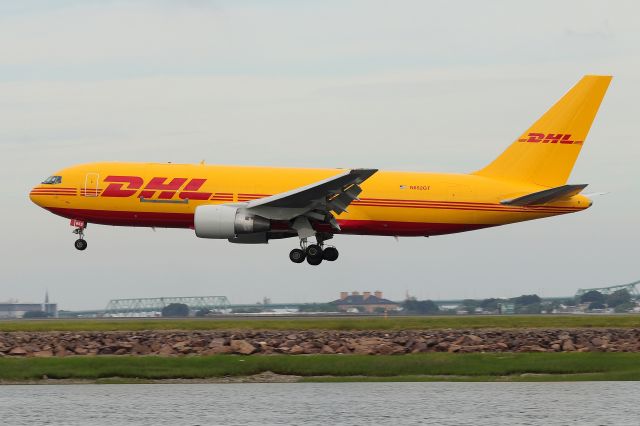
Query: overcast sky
<point>405,85</point>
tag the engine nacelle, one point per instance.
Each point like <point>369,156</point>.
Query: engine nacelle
<point>220,221</point>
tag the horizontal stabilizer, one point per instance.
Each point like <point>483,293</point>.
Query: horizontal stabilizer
<point>546,196</point>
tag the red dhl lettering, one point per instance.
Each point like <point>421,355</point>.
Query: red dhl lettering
<point>549,138</point>
<point>165,188</point>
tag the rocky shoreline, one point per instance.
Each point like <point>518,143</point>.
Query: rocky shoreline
<point>181,343</point>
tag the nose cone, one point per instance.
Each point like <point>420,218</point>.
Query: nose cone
<point>35,197</point>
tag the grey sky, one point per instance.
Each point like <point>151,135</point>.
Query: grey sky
<point>406,85</point>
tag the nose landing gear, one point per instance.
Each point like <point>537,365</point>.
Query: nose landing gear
<point>79,225</point>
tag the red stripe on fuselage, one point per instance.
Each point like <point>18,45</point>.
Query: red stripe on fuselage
<point>185,220</point>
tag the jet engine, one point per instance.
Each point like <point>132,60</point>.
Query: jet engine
<point>221,221</point>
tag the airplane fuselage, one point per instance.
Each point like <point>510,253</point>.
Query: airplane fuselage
<point>391,203</point>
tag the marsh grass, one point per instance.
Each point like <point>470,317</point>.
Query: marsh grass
<point>366,323</point>
<point>418,367</point>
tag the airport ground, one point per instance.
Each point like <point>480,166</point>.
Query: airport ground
<point>470,348</point>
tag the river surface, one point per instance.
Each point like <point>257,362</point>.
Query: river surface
<point>582,403</point>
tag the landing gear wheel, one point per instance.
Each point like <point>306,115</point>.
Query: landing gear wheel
<point>80,244</point>
<point>314,251</point>
<point>330,254</point>
<point>297,256</point>
<point>314,260</point>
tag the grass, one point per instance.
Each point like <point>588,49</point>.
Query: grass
<point>418,367</point>
<point>333,323</point>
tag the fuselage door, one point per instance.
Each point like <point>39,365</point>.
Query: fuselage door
<point>91,185</point>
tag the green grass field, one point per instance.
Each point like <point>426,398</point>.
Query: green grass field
<point>349,323</point>
<point>418,367</point>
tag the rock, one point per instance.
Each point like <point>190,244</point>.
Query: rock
<point>79,350</point>
<point>217,350</point>
<point>502,346</point>
<point>296,350</point>
<point>568,346</point>
<point>180,345</point>
<point>556,347</point>
<point>473,339</point>
<point>454,348</point>
<point>141,349</point>
<point>596,341</point>
<point>362,349</point>
<point>442,346</point>
<point>18,351</point>
<point>165,350</point>
<point>390,349</point>
<point>326,349</point>
<point>242,347</point>
<point>43,354</point>
<point>61,351</point>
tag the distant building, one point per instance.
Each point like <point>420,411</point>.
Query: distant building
<point>365,302</point>
<point>17,310</point>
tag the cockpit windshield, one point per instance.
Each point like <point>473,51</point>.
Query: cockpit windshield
<point>52,180</point>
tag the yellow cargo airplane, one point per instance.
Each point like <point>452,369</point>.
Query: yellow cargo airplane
<point>250,205</point>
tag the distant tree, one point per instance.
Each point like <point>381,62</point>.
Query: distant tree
<point>596,305</point>
<point>203,312</point>
<point>380,310</point>
<point>422,307</point>
<point>255,310</point>
<point>624,307</point>
<point>532,308</point>
<point>569,302</point>
<point>470,305</point>
<point>526,299</point>
<point>618,297</point>
<point>35,314</point>
<point>549,306</point>
<point>175,310</point>
<point>490,304</point>
<point>592,296</point>
<point>318,307</point>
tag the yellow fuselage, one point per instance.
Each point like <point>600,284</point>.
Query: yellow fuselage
<point>392,203</point>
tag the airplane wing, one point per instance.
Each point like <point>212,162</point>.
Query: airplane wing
<point>546,196</point>
<point>314,201</point>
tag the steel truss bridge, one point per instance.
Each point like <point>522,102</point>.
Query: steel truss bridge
<point>632,288</point>
<point>142,306</point>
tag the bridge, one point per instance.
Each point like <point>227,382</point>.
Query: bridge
<point>632,288</point>
<point>132,307</point>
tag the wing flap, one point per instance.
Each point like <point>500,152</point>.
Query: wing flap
<point>333,194</point>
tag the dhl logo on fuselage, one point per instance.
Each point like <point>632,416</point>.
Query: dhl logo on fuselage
<point>549,138</point>
<point>162,187</point>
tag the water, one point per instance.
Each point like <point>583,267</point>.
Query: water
<point>595,403</point>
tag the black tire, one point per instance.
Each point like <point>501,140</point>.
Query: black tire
<point>297,256</point>
<point>314,251</point>
<point>330,254</point>
<point>80,244</point>
<point>314,260</point>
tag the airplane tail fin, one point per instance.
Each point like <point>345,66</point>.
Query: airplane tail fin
<point>546,152</point>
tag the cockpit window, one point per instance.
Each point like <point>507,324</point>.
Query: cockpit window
<point>52,180</point>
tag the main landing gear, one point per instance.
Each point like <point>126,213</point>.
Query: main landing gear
<point>79,225</point>
<point>313,253</point>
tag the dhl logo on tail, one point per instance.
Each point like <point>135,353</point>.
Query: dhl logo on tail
<point>550,138</point>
